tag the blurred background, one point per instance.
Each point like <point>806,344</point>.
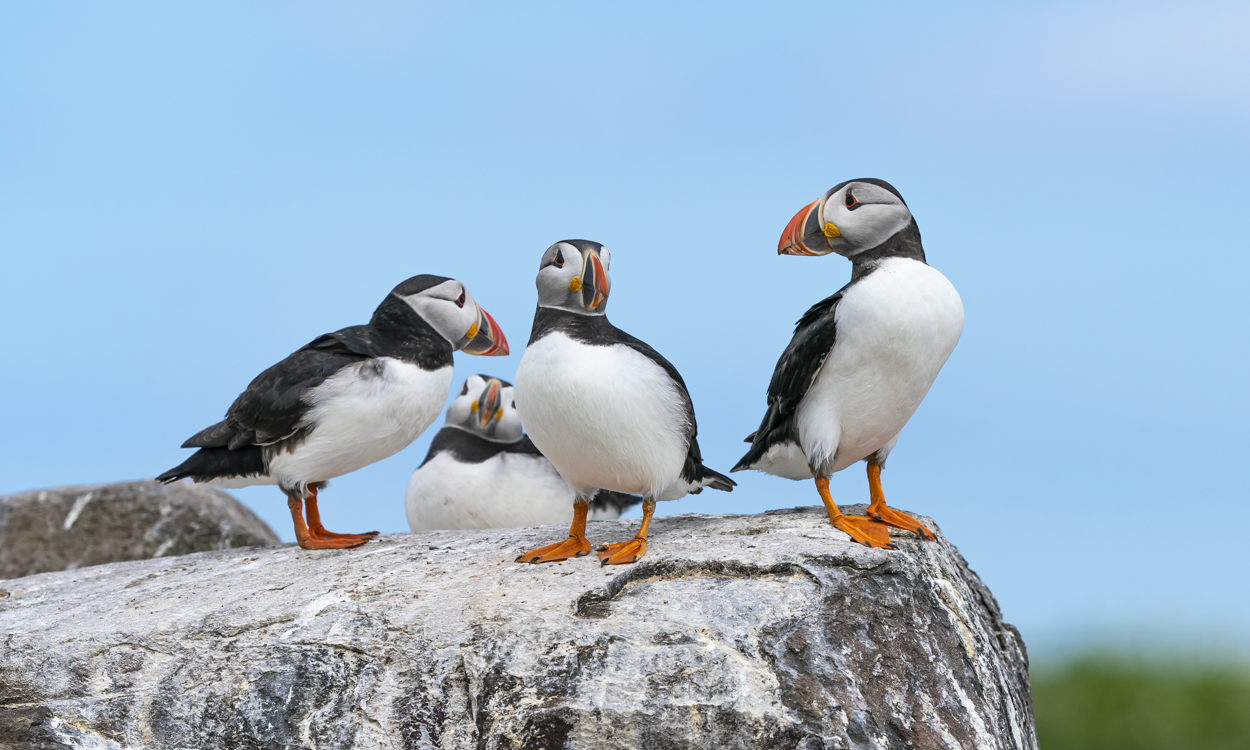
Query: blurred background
<point>190,192</point>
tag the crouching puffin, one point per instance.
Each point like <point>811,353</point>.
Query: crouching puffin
<point>861,360</point>
<point>604,407</point>
<point>344,401</point>
<point>482,472</point>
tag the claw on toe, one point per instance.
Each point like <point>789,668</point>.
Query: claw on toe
<point>867,531</point>
<point>317,542</point>
<point>362,538</point>
<point>901,520</point>
<point>622,553</point>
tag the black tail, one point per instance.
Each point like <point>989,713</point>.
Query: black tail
<point>761,441</point>
<point>697,474</point>
<point>753,454</point>
<point>218,463</point>
<point>718,480</point>
<point>616,501</point>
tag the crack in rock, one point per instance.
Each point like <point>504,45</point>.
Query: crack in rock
<point>768,631</point>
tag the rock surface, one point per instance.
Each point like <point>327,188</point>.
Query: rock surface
<point>768,631</point>
<point>72,527</point>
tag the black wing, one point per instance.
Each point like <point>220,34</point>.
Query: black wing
<point>693,470</point>
<point>796,370</point>
<point>272,407</point>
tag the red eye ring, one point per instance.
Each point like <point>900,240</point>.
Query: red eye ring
<point>559,260</point>
<point>460,300</point>
<point>851,200</point>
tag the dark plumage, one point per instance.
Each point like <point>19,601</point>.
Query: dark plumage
<point>269,416</point>
<point>471,449</point>
<point>861,360</point>
<point>796,370</point>
<point>343,401</point>
<point>813,340</point>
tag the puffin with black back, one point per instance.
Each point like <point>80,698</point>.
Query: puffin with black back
<point>483,472</point>
<point>344,401</point>
<point>605,408</point>
<point>861,360</point>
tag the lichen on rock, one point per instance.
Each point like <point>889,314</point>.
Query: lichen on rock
<point>767,631</point>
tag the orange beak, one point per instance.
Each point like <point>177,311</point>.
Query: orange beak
<point>595,283</point>
<point>804,235</point>
<point>489,340</point>
<point>489,403</point>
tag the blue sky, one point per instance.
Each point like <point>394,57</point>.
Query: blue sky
<point>190,192</point>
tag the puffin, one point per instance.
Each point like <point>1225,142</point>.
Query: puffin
<point>862,359</point>
<point>483,472</point>
<point>343,401</point>
<point>604,407</point>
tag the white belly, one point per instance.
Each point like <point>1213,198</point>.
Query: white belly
<point>895,330</point>
<point>606,416</point>
<point>364,413</point>
<point>508,489</point>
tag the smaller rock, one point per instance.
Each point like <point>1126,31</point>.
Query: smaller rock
<point>72,527</point>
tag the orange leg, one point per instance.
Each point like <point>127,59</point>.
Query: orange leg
<point>629,552</point>
<point>867,531</point>
<point>889,516</point>
<point>319,531</point>
<point>307,539</point>
<point>575,546</point>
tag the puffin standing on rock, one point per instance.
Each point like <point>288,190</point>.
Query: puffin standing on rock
<point>862,360</point>
<point>604,407</point>
<point>344,401</point>
<point>483,472</point>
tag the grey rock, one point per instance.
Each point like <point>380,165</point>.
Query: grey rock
<point>768,631</point>
<point>72,527</point>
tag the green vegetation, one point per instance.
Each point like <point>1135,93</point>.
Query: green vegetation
<point>1126,703</point>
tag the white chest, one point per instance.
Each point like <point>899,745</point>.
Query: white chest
<point>509,489</point>
<point>606,416</point>
<point>895,330</point>
<point>363,413</point>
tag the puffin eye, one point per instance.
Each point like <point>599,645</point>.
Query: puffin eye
<point>513,404</point>
<point>460,300</point>
<point>464,389</point>
<point>851,201</point>
<point>559,261</point>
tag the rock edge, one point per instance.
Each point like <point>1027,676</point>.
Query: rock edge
<point>767,631</point>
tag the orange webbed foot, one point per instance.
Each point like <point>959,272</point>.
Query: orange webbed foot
<point>867,531</point>
<point>571,547</point>
<point>326,534</point>
<point>317,542</point>
<point>901,520</point>
<point>315,533</point>
<point>622,553</point>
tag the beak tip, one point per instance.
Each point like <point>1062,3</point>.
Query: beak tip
<point>494,344</point>
<point>791,242</point>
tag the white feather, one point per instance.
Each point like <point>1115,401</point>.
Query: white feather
<point>784,460</point>
<point>508,489</point>
<point>606,416</point>
<point>895,330</point>
<point>363,413</point>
